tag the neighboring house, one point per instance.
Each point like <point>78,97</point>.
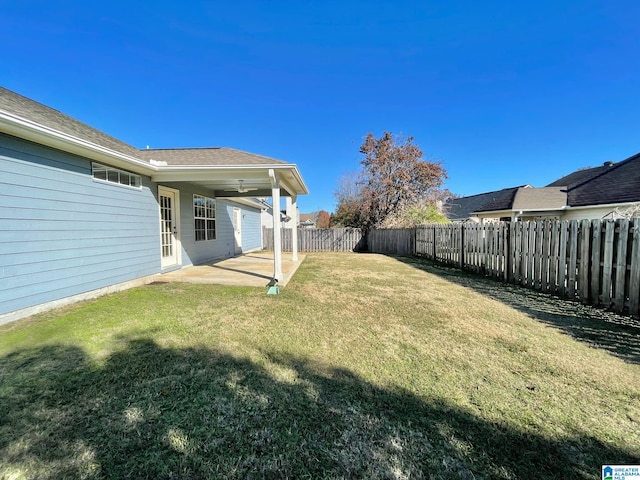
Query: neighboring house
<point>84,213</point>
<point>289,218</point>
<point>525,203</point>
<point>286,219</point>
<point>307,220</point>
<point>609,191</point>
<point>462,209</point>
<point>602,191</point>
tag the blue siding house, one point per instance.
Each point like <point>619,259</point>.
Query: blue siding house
<point>83,213</point>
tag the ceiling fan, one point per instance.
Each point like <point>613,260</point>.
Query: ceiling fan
<point>240,188</point>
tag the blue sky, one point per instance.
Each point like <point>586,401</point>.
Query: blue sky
<point>503,93</point>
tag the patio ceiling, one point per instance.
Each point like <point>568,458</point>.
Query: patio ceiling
<point>226,181</point>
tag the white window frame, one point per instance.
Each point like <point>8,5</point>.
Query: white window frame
<point>115,176</point>
<point>204,213</point>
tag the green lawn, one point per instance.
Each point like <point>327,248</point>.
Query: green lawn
<point>365,366</point>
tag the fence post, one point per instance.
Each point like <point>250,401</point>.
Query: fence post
<point>509,253</point>
<point>462,246</point>
<point>596,240</point>
<point>434,241</point>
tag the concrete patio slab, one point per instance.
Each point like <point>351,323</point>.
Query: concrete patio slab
<point>251,269</point>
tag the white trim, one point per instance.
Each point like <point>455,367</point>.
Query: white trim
<point>237,230</point>
<point>28,130</point>
<point>176,208</point>
<point>206,218</point>
<point>602,205</point>
<point>520,211</point>
<point>111,182</point>
<point>247,201</point>
<point>18,126</point>
<point>190,173</point>
<point>44,307</point>
<point>277,239</point>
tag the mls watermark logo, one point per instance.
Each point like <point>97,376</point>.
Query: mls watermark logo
<point>621,472</point>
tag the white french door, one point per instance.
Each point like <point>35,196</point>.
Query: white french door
<point>169,224</point>
<point>237,229</point>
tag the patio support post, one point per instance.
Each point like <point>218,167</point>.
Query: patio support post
<point>277,235</point>
<point>292,213</point>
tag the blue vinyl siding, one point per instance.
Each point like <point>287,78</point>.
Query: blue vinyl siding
<point>195,253</point>
<point>64,233</point>
<point>251,229</point>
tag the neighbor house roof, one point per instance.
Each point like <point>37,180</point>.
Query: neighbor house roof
<point>501,202</point>
<point>580,176</point>
<point>527,198</point>
<point>462,208</point>
<point>309,218</point>
<point>611,183</point>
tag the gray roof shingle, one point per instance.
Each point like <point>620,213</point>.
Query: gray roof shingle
<point>33,111</point>
<point>608,184</point>
<point>500,202</point>
<point>462,208</point>
<point>206,157</point>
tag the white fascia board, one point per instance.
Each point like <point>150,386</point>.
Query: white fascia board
<point>249,202</point>
<point>22,128</point>
<point>28,130</point>
<point>604,205</point>
<point>519,211</point>
<point>194,173</point>
<point>494,213</point>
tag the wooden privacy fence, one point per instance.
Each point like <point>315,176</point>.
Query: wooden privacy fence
<point>398,241</point>
<point>318,239</point>
<point>594,261</point>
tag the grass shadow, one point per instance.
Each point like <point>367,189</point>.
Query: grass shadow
<point>598,328</point>
<point>154,412</point>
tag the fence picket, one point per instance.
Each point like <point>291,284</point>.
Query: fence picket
<point>607,267</point>
<point>573,258</point>
<point>621,267</point>
<point>596,262</point>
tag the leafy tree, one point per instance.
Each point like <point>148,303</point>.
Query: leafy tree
<point>394,178</point>
<point>323,220</point>
<point>414,215</point>
<point>350,211</point>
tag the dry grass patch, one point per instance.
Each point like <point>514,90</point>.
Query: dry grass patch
<point>365,366</point>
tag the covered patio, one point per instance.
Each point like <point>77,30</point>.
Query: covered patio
<point>238,176</point>
<point>250,270</point>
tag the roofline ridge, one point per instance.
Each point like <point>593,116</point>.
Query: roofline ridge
<point>615,166</point>
<point>180,148</point>
<point>63,114</point>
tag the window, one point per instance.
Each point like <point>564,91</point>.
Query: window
<point>204,217</point>
<point>114,175</point>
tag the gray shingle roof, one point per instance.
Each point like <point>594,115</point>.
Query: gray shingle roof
<point>33,111</point>
<point>206,157</point>
<point>579,176</point>
<point>462,208</point>
<point>502,201</point>
<point>618,183</point>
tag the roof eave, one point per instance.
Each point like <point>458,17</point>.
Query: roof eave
<point>28,130</point>
<point>288,173</point>
<point>22,128</point>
